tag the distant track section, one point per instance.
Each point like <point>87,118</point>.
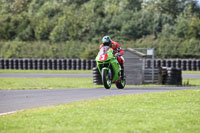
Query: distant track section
<point>45,75</point>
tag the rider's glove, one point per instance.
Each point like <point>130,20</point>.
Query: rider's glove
<point>117,54</point>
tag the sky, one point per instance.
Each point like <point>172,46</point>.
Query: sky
<point>198,2</point>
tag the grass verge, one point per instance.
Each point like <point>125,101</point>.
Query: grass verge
<point>45,83</point>
<point>191,82</point>
<point>44,71</point>
<point>64,83</point>
<point>191,72</point>
<point>175,112</point>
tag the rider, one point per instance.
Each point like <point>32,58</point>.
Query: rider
<point>117,51</point>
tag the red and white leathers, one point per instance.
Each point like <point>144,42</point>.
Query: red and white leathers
<point>116,49</point>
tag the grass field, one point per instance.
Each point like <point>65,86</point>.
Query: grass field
<point>173,112</point>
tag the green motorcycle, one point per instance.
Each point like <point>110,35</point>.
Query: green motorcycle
<point>110,68</point>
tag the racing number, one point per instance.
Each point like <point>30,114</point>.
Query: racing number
<point>103,57</point>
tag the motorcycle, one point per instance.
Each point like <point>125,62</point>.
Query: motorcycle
<point>110,68</point>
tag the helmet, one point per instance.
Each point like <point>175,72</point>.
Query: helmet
<point>106,40</point>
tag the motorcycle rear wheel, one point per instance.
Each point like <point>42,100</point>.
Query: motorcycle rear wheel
<point>121,84</point>
<point>105,79</point>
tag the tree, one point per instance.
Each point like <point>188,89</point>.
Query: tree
<point>69,26</point>
<point>170,7</point>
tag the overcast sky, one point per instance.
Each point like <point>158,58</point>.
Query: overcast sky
<point>199,2</point>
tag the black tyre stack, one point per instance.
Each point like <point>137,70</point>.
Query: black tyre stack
<point>96,76</point>
<point>170,76</point>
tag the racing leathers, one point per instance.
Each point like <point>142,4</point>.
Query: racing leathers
<point>117,51</point>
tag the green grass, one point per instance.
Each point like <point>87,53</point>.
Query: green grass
<point>191,72</point>
<point>45,83</point>
<point>64,83</point>
<point>173,112</point>
<point>191,82</point>
<point>44,71</point>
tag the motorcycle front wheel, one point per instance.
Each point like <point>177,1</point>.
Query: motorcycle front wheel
<point>106,78</point>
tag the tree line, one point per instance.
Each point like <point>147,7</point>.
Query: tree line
<point>74,28</point>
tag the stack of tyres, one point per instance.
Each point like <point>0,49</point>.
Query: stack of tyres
<point>174,76</point>
<point>97,76</point>
<point>162,75</point>
<point>171,76</point>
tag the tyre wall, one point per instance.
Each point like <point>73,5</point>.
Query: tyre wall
<point>78,64</point>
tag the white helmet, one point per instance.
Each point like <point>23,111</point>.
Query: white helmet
<point>106,40</point>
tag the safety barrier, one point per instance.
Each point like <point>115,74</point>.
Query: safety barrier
<point>184,64</point>
<point>78,64</point>
<point>47,64</point>
<point>97,76</point>
<point>170,76</point>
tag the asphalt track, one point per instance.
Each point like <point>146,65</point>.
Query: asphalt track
<point>15,100</point>
<point>83,75</point>
<point>45,75</point>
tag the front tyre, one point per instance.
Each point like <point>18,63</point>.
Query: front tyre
<point>121,84</point>
<point>106,78</point>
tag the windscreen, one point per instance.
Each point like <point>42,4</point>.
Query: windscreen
<point>104,50</point>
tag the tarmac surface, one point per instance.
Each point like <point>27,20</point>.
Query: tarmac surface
<point>45,75</point>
